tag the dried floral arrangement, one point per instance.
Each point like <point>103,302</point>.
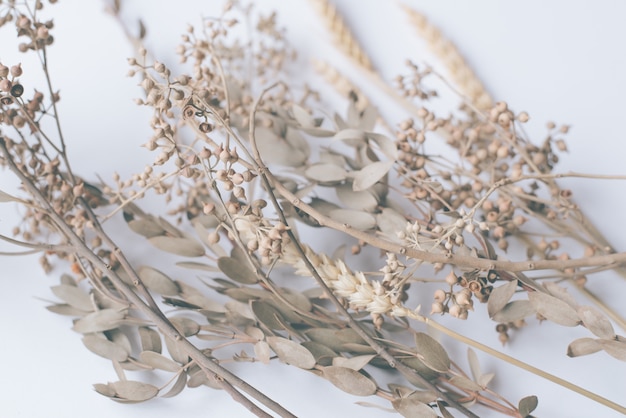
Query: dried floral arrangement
<point>247,165</point>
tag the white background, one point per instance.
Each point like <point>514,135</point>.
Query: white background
<point>558,60</point>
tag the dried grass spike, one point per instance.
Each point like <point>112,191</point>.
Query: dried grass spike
<point>459,70</point>
<point>341,83</point>
<point>343,37</point>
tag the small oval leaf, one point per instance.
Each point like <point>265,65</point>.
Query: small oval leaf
<point>513,311</point>
<point>614,348</point>
<point>105,348</point>
<point>236,270</point>
<point>157,281</point>
<point>356,219</point>
<point>370,175</point>
<point>554,309</point>
<point>432,353</point>
<point>291,352</point>
<point>185,247</point>
<point>355,363</point>
<point>349,381</point>
<point>150,339</point>
<point>325,173</point>
<point>411,407</point>
<point>500,296</point>
<point>134,391</point>
<point>73,296</point>
<point>582,347</point>
<point>527,405</point>
<point>158,361</point>
<point>595,322</point>
<point>99,321</point>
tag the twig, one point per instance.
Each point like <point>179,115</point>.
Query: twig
<point>153,314</point>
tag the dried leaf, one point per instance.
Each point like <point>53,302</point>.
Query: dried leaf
<point>363,200</point>
<point>302,116</point>
<point>355,363</point>
<point>291,352</point>
<point>177,387</point>
<point>325,173</point>
<point>582,347</point>
<point>176,352</point>
<point>432,353</point>
<point>146,228</point>
<point>465,383</point>
<point>99,321</point>
<point>105,348</point>
<point>362,221</point>
<point>5,197</point>
<point>561,293</point>
<point>262,352</point>
<point>323,355</point>
<point>267,315</point>
<point>186,326</point>
<point>595,322</point>
<point>474,363</point>
<point>444,411</point>
<point>390,222</point>
<point>351,136</point>
<point>65,309</point>
<point>411,407</point>
<point>185,247</point>
<point>105,390</point>
<point>157,281</point>
<point>276,150</point>
<point>150,339</point>
<point>554,309</point>
<point>236,270</point>
<point>527,405</point>
<point>349,381</point>
<point>197,266</point>
<point>500,296</point>
<point>134,391</point>
<point>513,311</point>
<point>370,174</point>
<point>614,348</point>
<point>73,296</point>
<point>158,361</point>
<point>485,379</point>
<point>120,338</point>
<point>386,145</point>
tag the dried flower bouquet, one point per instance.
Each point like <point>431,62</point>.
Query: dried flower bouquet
<point>247,165</point>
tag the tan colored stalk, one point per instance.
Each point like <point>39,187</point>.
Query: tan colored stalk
<point>460,72</point>
<point>340,31</point>
<point>363,295</point>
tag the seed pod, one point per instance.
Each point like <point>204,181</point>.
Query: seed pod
<point>205,127</point>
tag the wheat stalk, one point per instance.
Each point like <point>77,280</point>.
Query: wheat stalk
<point>459,70</point>
<point>343,37</point>
<point>341,83</point>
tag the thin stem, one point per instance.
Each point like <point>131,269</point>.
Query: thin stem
<point>152,313</point>
<point>511,360</point>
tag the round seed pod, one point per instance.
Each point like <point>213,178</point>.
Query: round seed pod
<point>17,90</point>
